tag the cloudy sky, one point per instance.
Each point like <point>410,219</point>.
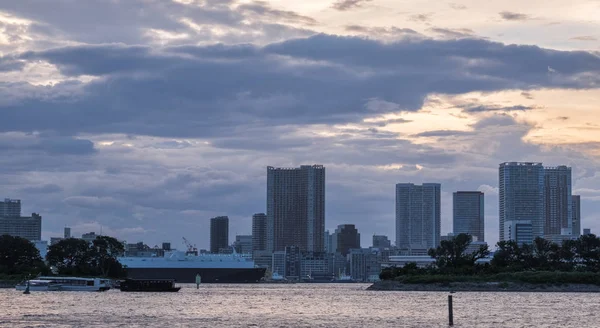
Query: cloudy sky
<point>148,117</point>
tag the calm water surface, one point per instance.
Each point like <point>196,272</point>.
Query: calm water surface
<point>299,305</point>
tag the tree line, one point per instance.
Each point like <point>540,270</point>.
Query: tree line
<point>453,258</point>
<point>71,256</point>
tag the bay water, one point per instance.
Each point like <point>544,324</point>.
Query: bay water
<point>295,305</point>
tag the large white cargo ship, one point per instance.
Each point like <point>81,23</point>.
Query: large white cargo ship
<point>183,267</point>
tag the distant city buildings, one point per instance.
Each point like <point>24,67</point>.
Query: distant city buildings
<point>219,234</point>
<point>558,201</point>
<point>20,226</point>
<point>468,214</point>
<point>418,220</point>
<point>380,241</point>
<point>521,197</point>
<point>243,244</point>
<point>346,237</point>
<point>89,237</point>
<point>259,232</point>
<point>587,232</point>
<point>576,211</point>
<point>296,208</point>
<point>10,208</point>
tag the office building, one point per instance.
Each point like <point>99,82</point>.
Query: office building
<point>418,221</point>
<point>67,233</point>
<point>380,241</point>
<point>292,262</point>
<point>219,234</point>
<point>10,208</point>
<point>259,232</point>
<point>468,214</point>
<point>557,200</point>
<point>278,263</point>
<point>315,265</point>
<point>365,264</point>
<point>89,237</point>
<point>346,238</point>
<point>243,244</point>
<point>587,232</point>
<point>521,196</point>
<point>576,212</point>
<point>19,226</point>
<point>296,208</point>
<point>328,242</point>
<point>520,231</point>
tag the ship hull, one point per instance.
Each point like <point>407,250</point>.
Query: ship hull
<point>208,275</point>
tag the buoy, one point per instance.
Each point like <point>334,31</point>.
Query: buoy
<point>198,281</point>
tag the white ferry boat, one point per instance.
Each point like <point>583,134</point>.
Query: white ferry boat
<point>75,284</point>
<point>36,285</point>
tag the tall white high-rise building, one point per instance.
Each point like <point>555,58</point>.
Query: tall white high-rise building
<point>521,196</point>
<point>296,208</point>
<point>418,220</point>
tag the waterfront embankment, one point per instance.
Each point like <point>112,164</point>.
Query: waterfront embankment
<point>390,285</point>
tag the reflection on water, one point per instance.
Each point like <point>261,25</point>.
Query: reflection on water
<point>299,305</point>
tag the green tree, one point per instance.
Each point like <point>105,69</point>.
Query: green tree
<point>587,249</point>
<point>19,256</point>
<point>105,252</point>
<point>452,256</point>
<point>71,256</point>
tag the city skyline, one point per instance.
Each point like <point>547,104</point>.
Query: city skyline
<point>144,119</point>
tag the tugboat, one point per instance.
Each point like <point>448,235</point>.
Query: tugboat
<point>148,285</point>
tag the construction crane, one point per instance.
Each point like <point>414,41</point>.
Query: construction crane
<point>191,248</point>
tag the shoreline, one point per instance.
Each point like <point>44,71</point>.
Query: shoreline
<point>389,285</point>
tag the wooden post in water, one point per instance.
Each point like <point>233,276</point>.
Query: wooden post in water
<point>450,313</point>
<point>26,288</point>
<point>198,281</point>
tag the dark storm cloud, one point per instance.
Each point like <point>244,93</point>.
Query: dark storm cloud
<point>453,33</point>
<point>263,10</point>
<point>512,16</point>
<point>202,91</point>
<point>444,133</point>
<point>344,5</point>
<point>495,108</point>
<point>43,189</point>
<point>52,145</point>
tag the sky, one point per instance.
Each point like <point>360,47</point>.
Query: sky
<point>142,119</point>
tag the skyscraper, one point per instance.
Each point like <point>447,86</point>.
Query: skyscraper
<point>576,203</point>
<point>10,208</point>
<point>418,221</point>
<point>521,196</point>
<point>219,233</point>
<point>557,201</point>
<point>259,232</point>
<point>347,238</point>
<point>296,208</point>
<point>468,214</point>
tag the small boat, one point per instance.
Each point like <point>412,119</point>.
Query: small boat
<point>148,285</point>
<point>76,284</point>
<point>38,286</point>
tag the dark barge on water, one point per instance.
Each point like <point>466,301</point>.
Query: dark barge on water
<point>148,285</point>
